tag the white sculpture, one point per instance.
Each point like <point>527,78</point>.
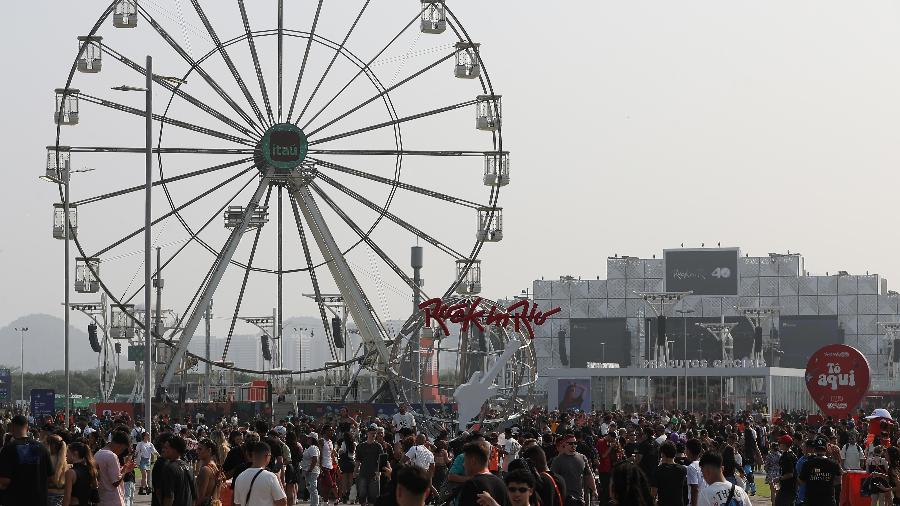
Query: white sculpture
<point>472,395</point>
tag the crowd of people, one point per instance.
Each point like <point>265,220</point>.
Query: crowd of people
<point>544,458</point>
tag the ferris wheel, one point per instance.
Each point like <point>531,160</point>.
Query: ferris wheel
<point>300,148</point>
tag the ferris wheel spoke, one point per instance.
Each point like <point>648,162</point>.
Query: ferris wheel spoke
<point>225,56</point>
<point>312,274</point>
<point>256,65</point>
<point>194,65</point>
<point>309,42</point>
<point>364,69</point>
<point>194,235</point>
<point>364,236</point>
<point>394,122</point>
<point>384,92</point>
<point>174,211</point>
<point>396,219</point>
<point>176,89</point>
<point>334,58</point>
<point>240,299</point>
<point>280,58</point>
<point>398,184</point>
<point>209,288</point>
<point>184,151</point>
<point>164,119</point>
<point>395,152</point>
<point>125,191</point>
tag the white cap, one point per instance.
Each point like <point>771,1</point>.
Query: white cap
<point>880,413</point>
<point>313,435</point>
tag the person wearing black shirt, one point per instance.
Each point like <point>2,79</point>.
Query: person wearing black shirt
<point>173,483</point>
<point>787,484</point>
<point>549,486</point>
<point>647,456</point>
<point>24,467</point>
<point>818,474</point>
<point>235,463</point>
<point>671,478</point>
<point>481,479</point>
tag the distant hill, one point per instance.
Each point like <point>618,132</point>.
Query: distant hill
<point>45,345</point>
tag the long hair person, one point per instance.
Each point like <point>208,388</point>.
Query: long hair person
<point>56,482</point>
<point>82,479</point>
<point>629,486</point>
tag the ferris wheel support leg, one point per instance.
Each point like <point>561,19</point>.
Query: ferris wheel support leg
<point>222,263</point>
<point>343,275</point>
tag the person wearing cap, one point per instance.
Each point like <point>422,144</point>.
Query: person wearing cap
<point>787,484</point>
<point>368,457</point>
<point>311,467</point>
<point>818,475</point>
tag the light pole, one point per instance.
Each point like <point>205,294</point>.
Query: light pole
<point>23,330</point>
<point>148,185</point>
<point>63,177</point>
<point>684,312</point>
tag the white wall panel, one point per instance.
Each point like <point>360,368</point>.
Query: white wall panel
<point>578,289</point>
<point>615,268</point>
<point>579,308</point>
<point>788,305</point>
<point>745,302</point>
<point>749,287</point>
<point>808,285</point>
<point>597,288</point>
<point>808,305</point>
<point>827,285</point>
<point>769,302</point>
<point>616,288</point>
<point>849,324</point>
<point>868,284</point>
<point>847,285</point>
<point>616,308</point>
<point>867,304</point>
<point>847,304</point>
<point>560,289</point>
<point>866,324</point>
<point>712,306</point>
<point>634,268</point>
<point>597,308</point>
<point>633,287</point>
<point>887,304</point>
<point>827,303</point>
<point>768,267</point>
<point>729,306</point>
<point>541,289</point>
<point>653,285</point>
<point>653,268</point>
<point>748,266</point>
<point>768,287</point>
<point>788,286</point>
<point>789,266</point>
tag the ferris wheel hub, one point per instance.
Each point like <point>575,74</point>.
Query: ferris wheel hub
<point>283,147</point>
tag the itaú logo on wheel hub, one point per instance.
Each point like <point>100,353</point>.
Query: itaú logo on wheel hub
<point>283,147</point>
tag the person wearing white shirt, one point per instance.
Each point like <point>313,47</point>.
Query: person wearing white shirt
<point>403,420</point>
<point>719,492</point>
<point>511,448</point>
<point>256,486</point>
<point>851,455</point>
<point>144,452</point>
<point>137,432</point>
<point>310,465</point>
<point>420,456</point>
<point>695,480</point>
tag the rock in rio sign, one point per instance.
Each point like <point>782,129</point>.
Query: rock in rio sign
<point>523,314</point>
<point>837,377</point>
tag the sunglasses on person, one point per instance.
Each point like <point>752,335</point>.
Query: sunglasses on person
<point>520,490</point>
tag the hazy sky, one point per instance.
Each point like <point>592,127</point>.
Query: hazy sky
<point>633,127</point>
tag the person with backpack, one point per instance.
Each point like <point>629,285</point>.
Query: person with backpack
<point>24,467</point>
<point>852,454</point>
<point>719,492</point>
<point>257,486</point>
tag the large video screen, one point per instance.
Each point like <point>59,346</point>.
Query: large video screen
<point>588,334</point>
<point>701,344</point>
<point>800,336</point>
<point>703,271</point>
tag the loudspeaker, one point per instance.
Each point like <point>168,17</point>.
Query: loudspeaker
<point>896,357</point>
<point>182,394</point>
<point>337,332</point>
<point>266,352</point>
<point>757,339</point>
<point>92,337</point>
<point>660,330</point>
<point>118,348</point>
<point>563,355</point>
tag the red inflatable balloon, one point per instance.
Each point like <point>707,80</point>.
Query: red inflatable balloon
<point>837,377</point>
